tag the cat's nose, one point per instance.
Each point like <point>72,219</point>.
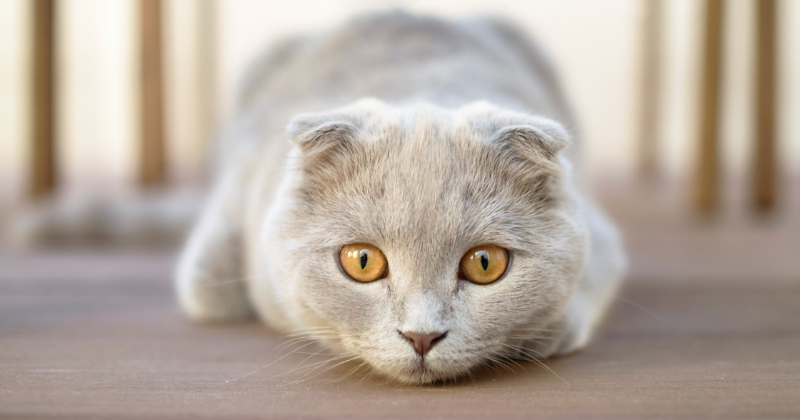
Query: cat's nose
<point>423,342</point>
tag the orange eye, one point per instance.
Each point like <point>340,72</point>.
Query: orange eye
<point>484,264</point>
<point>363,262</point>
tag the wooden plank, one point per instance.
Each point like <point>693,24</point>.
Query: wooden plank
<point>97,335</point>
<point>707,176</point>
<point>42,176</point>
<point>651,66</point>
<point>152,159</point>
<point>705,327</point>
<point>765,165</point>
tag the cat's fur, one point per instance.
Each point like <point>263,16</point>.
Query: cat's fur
<point>460,142</point>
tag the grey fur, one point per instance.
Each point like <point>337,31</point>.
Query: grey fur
<point>460,148</point>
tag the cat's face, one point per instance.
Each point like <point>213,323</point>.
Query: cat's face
<point>424,186</point>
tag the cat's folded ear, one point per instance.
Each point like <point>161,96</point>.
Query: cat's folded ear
<point>315,133</point>
<point>321,136</point>
<point>535,140</point>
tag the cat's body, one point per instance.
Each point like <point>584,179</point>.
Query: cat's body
<point>456,149</point>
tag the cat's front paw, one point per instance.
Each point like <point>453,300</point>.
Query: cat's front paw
<point>567,336</point>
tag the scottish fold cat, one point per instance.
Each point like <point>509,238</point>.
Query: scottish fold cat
<point>400,189</point>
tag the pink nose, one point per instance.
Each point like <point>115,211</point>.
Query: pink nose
<point>423,342</point>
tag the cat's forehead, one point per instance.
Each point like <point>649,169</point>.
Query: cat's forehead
<point>425,125</point>
<point>423,182</point>
<point>425,178</point>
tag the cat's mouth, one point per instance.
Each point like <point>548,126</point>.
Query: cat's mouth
<point>422,373</point>
<point>425,370</point>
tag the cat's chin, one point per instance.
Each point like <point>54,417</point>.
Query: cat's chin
<point>419,376</point>
<point>421,373</point>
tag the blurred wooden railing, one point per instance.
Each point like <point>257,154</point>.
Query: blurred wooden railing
<point>707,178</point>
<point>764,166</point>
<point>152,152</point>
<point>43,163</point>
<point>153,159</point>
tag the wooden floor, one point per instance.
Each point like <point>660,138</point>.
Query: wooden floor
<point>707,326</point>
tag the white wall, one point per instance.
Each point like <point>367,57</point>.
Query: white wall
<point>14,102</point>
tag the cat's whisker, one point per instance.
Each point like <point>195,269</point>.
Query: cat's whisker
<point>503,365</point>
<point>326,370</point>
<point>298,369</point>
<point>534,329</point>
<point>635,305</point>
<point>310,332</point>
<point>309,367</point>
<point>293,342</point>
<point>510,360</point>
<point>472,378</point>
<point>537,361</point>
<point>533,335</point>
<point>304,339</point>
<point>542,364</point>
<point>489,365</point>
<point>302,344</point>
<point>266,366</point>
<point>314,354</point>
<point>326,361</point>
<point>302,329</point>
<point>322,362</point>
<point>369,375</point>
<point>531,339</point>
<point>522,349</point>
<point>352,371</point>
<point>296,340</point>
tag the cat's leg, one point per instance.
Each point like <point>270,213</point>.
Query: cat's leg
<point>209,280</point>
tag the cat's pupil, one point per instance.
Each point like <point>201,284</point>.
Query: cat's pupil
<point>364,259</point>
<point>484,262</point>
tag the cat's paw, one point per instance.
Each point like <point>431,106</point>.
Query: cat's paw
<point>211,300</point>
<point>567,336</point>
<point>568,342</point>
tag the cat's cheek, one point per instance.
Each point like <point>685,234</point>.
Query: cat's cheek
<point>344,303</point>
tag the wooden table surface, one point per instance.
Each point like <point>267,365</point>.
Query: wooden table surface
<point>707,326</point>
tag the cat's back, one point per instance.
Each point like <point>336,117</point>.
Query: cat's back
<point>401,58</point>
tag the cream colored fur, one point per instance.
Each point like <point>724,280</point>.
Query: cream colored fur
<point>424,138</point>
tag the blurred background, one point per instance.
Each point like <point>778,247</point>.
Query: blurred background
<point>688,109</point>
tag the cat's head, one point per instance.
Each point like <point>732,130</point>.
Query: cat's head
<point>414,191</point>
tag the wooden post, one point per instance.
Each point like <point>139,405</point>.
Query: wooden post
<point>707,187</point>
<point>765,168</point>
<point>651,53</point>
<point>152,158</point>
<point>206,62</point>
<point>43,165</point>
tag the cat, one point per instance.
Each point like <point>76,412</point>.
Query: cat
<point>400,189</point>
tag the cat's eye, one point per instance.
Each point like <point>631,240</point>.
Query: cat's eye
<point>363,262</point>
<point>484,264</point>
